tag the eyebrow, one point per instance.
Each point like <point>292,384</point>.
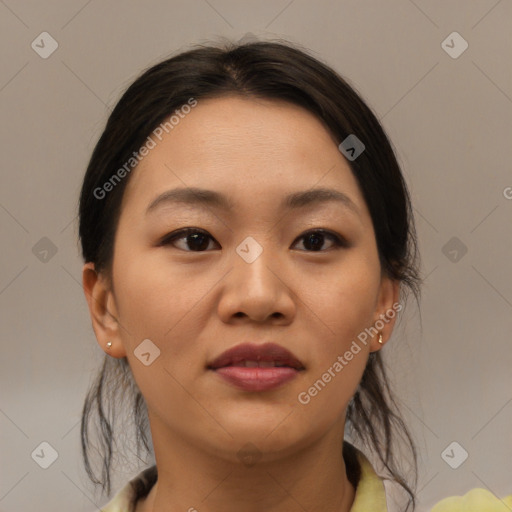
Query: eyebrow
<point>294,201</point>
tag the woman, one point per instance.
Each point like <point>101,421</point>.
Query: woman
<point>248,243</point>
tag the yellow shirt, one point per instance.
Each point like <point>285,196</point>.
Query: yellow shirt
<point>476,500</point>
<point>370,495</point>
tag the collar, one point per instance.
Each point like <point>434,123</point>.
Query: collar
<point>370,492</point>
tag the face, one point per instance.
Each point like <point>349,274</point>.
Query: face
<point>251,269</point>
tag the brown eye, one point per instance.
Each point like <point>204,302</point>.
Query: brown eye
<point>314,240</point>
<point>195,240</point>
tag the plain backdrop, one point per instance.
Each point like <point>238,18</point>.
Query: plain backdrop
<point>448,112</point>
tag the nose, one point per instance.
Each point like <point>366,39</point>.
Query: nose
<point>260,291</point>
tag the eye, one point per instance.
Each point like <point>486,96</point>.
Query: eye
<point>315,240</point>
<point>196,239</point>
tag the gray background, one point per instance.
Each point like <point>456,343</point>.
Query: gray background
<point>450,122</point>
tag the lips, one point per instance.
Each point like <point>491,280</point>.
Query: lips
<point>251,355</point>
<point>252,367</point>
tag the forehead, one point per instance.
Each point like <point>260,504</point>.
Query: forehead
<point>251,148</point>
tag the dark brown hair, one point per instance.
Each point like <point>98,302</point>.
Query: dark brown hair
<point>268,70</point>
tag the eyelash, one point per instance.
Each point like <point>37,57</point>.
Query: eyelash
<point>339,241</point>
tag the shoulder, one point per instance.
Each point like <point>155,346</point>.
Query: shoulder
<point>476,500</point>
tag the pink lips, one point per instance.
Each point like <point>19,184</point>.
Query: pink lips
<point>254,367</point>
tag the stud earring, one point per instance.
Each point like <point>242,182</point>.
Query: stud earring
<point>380,338</point>
<point>109,344</point>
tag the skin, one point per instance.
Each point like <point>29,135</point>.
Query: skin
<point>194,305</point>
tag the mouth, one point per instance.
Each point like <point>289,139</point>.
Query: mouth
<point>253,367</point>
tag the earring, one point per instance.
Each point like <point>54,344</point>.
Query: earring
<point>109,344</point>
<point>380,338</point>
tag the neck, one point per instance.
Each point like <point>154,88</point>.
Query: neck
<point>313,478</point>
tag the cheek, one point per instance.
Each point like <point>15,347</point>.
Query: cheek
<point>344,303</point>
<point>167,304</point>
<point>155,298</point>
<point>343,300</point>
<point>340,357</point>
<point>159,303</point>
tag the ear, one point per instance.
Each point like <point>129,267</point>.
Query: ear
<point>102,308</point>
<point>386,311</point>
